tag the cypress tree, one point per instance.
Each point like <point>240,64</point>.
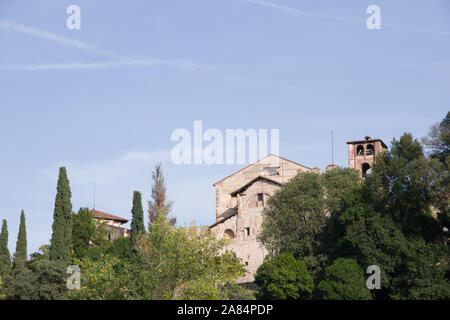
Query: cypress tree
<point>20,256</point>
<point>137,222</point>
<point>5,257</point>
<point>61,242</point>
<point>83,231</point>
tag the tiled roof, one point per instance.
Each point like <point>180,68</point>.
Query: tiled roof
<point>103,215</point>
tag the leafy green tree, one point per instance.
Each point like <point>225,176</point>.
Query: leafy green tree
<point>438,144</point>
<point>137,220</point>
<point>43,253</point>
<point>86,232</point>
<point>376,241</point>
<point>424,272</point>
<point>284,277</point>
<point>343,280</point>
<point>388,222</point>
<point>20,256</point>
<point>411,268</point>
<point>400,187</point>
<point>342,188</point>
<point>40,279</point>
<point>61,241</point>
<point>106,278</point>
<point>179,264</point>
<point>234,291</point>
<point>5,257</point>
<point>83,230</point>
<point>336,182</point>
<point>120,248</point>
<point>171,263</point>
<point>438,140</point>
<point>295,216</point>
<point>296,222</point>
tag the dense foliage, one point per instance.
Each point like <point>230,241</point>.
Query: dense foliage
<point>395,218</point>
<point>171,263</point>
<point>39,279</point>
<point>284,277</point>
<point>86,232</point>
<point>343,280</point>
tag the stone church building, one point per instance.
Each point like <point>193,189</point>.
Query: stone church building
<point>241,197</point>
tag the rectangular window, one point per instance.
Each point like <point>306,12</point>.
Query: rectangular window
<point>271,171</point>
<point>260,197</point>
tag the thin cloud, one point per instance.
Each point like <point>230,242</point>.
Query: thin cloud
<point>42,34</point>
<point>300,12</point>
<point>119,61</point>
<point>346,19</point>
<point>184,64</point>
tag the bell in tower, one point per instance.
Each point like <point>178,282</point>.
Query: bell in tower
<point>362,154</point>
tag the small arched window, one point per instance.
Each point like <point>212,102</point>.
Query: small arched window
<point>370,150</point>
<point>360,150</point>
<point>260,200</point>
<point>365,169</point>
<point>228,234</point>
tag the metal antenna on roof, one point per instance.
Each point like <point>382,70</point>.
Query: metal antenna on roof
<point>94,196</point>
<point>332,147</point>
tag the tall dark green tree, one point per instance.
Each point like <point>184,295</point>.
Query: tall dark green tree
<point>20,256</point>
<point>137,220</point>
<point>61,241</point>
<point>85,231</point>
<point>5,257</point>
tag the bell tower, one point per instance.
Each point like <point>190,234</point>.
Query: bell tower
<point>362,154</point>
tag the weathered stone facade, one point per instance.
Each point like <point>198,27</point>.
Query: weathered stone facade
<point>240,198</point>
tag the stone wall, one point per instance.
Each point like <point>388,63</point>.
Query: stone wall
<point>240,203</point>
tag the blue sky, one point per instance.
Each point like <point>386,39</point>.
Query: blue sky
<point>104,100</point>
